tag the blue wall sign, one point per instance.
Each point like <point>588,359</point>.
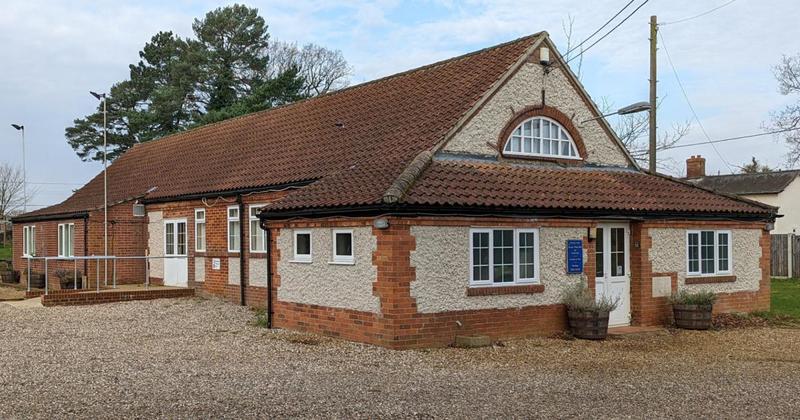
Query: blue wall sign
<point>574,256</point>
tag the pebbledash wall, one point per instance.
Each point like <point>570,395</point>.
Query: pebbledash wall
<point>127,236</point>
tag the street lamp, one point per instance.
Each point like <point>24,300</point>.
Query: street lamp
<point>630,109</point>
<point>21,128</point>
<point>102,97</point>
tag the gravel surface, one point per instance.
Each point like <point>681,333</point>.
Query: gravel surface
<point>203,358</point>
<point>11,293</point>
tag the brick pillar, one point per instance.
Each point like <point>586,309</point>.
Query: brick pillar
<point>392,259</point>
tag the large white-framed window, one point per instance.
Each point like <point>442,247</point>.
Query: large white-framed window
<point>234,230</point>
<point>708,252</point>
<point>66,240</point>
<point>302,245</point>
<point>500,256</point>
<point>258,236</point>
<point>541,137</point>
<point>343,248</point>
<point>29,241</point>
<point>200,230</point>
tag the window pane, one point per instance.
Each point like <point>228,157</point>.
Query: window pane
<point>344,244</point>
<point>480,256</point>
<point>170,236</point>
<point>181,238</point>
<point>515,144</point>
<point>71,241</point>
<point>694,253</point>
<point>526,129</point>
<point>233,213</point>
<point>617,251</point>
<point>503,255</point>
<point>256,237</point>
<point>526,255</point>
<point>598,254</point>
<point>707,252</point>
<point>722,246</point>
<point>526,145</point>
<point>303,244</point>
<point>233,236</point>
<point>200,235</point>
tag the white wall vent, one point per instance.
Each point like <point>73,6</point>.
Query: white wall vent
<point>138,210</point>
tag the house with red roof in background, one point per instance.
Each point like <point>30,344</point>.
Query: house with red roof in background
<point>457,198</point>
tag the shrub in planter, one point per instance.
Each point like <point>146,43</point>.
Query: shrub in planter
<point>67,279</point>
<point>37,280</point>
<point>692,311</point>
<point>587,316</point>
<point>7,275</point>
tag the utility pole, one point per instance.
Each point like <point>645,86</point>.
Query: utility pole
<point>653,96</point>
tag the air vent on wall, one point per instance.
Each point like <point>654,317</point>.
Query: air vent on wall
<point>138,210</point>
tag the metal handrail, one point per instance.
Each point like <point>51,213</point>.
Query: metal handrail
<point>97,258</point>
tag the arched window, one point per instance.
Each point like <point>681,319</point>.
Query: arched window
<point>541,136</point>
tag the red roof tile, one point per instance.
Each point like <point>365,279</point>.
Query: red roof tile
<point>385,124</point>
<point>471,183</point>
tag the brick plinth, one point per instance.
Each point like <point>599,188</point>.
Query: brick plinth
<point>92,298</point>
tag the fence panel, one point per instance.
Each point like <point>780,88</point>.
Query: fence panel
<point>779,260</point>
<point>796,256</point>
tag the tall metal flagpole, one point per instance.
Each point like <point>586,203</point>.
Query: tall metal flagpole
<point>105,191</point>
<point>24,175</point>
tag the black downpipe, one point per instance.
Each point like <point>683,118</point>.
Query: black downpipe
<point>242,246</point>
<point>269,279</point>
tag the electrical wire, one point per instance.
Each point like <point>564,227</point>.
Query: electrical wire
<point>688,102</point>
<point>749,136</point>
<point>609,32</point>
<point>697,16</point>
<point>598,29</point>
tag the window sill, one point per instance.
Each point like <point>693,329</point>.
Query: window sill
<point>710,279</point>
<point>300,261</point>
<point>505,290</point>
<point>341,262</point>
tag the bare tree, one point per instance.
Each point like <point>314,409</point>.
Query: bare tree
<point>755,167</point>
<point>323,70</point>
<point>12,186</point>
<point>567,29</point>
<point>787,72</point>
<point>633,130</point>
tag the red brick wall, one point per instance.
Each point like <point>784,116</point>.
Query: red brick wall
<point>649,310</point>
<point>216,281</point>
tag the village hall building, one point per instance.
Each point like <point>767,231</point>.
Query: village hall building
<point>457,198</point>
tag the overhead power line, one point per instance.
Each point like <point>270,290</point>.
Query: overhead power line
<point>609,32</point>
<point>599,29</point>
<point>689,102</point>
<point>698,16</point>
<point>749,136</point>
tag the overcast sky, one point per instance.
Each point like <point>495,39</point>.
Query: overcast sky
<point>53,53</point>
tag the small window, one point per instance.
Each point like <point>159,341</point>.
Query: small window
<point>29,241</point>
<point>258,236</point>
<point>234,230</point>
<point>708,252</point>
<point>504,256</point>
<point>66,240</point>
<point>540,137</point>
<point>302,245</point>
<point>200,230</point>
<point>343,246</point>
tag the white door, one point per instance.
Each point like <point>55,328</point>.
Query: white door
<point>176,265</point>
<point>613,270</point>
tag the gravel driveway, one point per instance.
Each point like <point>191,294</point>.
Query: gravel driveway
<point>203,358</point>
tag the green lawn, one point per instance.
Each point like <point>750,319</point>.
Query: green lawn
<point>5,252</point>
<point>786,297</point>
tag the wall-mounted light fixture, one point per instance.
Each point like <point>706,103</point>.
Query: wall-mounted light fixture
<point>381,223</point>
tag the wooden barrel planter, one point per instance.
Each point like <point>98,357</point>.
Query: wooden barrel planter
<point>589,325</point>
<point>692,317</point>
<point>37,280</point>
<point>9,276</point>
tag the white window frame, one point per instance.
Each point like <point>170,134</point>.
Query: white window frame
<point>541,154</point>
<point>66,239</point>
<point>304,258</point>
<point>197,222</point>
<point>29,241</point>
<point>228,230</point>
<point>717,271</point>
<point>259,231</point>
<point>517,280</point>
<point>343,259</point>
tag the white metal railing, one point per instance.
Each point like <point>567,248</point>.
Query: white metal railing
<point>97,259</point>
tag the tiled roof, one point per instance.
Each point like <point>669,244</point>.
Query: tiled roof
<point>743,184</point>
<point>484,184</point>
<point>356,140</point>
